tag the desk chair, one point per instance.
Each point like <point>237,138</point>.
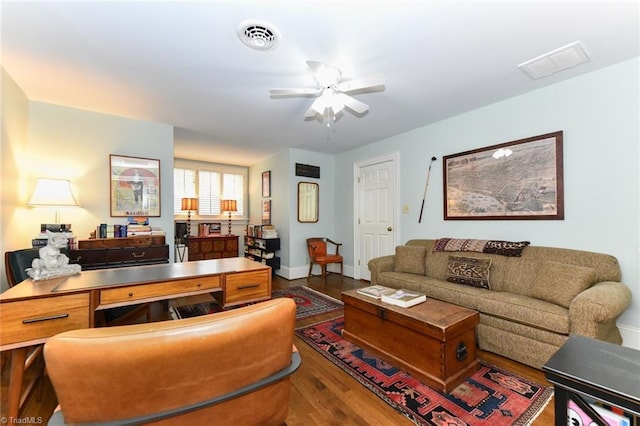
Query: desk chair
<point>319,254</point>
<point>231,368</point>
<point>16,263</point>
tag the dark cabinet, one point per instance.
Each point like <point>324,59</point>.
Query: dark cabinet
<point>212,247</point>
<point>101,253</point>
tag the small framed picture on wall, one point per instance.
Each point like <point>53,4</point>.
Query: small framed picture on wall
<point>266,212</point>
<point>266,184</point>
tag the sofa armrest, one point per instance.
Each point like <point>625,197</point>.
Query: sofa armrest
<point>380,264</point>
<point>593,312</point>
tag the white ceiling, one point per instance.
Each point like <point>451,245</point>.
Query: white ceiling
<point>181,63</point>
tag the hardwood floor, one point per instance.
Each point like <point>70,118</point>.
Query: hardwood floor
<point>321,393</point>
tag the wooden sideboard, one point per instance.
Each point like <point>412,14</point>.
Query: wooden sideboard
<point>101,253</point>
<point>212,247</point>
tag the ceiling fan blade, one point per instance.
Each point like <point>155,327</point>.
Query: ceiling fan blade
<point>289,92</point>
<point>352,103</point>
<point>314,66</point>
<point>317,108</point>
<point>372,80</point>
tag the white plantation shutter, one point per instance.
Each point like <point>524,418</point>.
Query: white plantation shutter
<point>232,189</point>
<point>184,185</point>
<point>209,192</point>
<point>210,183</point>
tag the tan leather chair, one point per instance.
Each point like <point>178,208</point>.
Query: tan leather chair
<point>323,251</point>
<point>187,371</point>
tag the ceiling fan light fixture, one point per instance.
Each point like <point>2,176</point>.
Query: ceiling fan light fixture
<point>258,35</point>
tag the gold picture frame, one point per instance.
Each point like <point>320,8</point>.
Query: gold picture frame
<point>134,185</point>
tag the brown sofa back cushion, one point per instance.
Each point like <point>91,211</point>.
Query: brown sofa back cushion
<point>410,259</point>
<point>517,274</point>
<point>559,283</point>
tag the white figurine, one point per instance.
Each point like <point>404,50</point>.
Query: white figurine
<point>52,263</point>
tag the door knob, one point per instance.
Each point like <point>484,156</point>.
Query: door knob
<point>389,229</point>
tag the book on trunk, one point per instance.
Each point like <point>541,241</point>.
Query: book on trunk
<point>375,291</point>
<point>404,298</point>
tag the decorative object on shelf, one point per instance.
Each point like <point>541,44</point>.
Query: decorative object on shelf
<point>135,186</point>
<point>308,196</point>
<point>522,179</point>
<point>229,206</point>
<point>51,262</point>
<point>266,184</point>
<point>188,205</point>
<point>53,193</point>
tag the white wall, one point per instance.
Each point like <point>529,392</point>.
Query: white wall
<point>599,114</point>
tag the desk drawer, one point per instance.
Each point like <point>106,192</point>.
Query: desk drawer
<point>121,295</point>
<point>245,286</point>
<point>138,254</point>
<point>40,318</point>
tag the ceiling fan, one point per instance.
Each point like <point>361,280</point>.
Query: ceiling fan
<point>333,94</point>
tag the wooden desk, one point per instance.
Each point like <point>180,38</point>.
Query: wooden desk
<point>33,311</point>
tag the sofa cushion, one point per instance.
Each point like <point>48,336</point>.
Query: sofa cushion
<point>560,283</point>
<point>525,310</point>
<point>469,271</point>
<point>410,259</point>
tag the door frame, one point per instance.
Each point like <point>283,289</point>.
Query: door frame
<point>395,158</point>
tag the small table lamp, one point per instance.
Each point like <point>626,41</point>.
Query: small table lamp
<point>229,206</point>
<point>189,204</point>
<point>53,193</point>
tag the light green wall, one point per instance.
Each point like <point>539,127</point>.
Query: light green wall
<point>600,115</point>
<point>73,144</point>
<point>14,110</point>
<point>284,199</point>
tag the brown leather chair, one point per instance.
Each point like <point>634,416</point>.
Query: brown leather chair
<point>229,368</point>
<point>323,251</point>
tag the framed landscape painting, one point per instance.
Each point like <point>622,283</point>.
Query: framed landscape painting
<point>516,180</point>
<point>135,186</point>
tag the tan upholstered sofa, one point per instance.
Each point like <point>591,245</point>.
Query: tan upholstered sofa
<point>534,300</point>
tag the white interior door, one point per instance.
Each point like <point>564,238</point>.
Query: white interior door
<point>375,223</point>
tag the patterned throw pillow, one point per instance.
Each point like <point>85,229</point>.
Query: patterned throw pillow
<point>410,259</point>
<point>469,271</point>
<point>506,248</point>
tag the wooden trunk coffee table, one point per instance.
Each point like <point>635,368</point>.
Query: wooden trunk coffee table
<point>434,341</point>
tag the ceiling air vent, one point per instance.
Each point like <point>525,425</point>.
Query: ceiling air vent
<point>557,60</point>
<point>258,35</point>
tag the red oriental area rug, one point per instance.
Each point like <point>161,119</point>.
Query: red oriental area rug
<point>309,302</point>
<point>491,396</point>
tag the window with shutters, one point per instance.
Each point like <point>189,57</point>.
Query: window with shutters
<point>210,183</point>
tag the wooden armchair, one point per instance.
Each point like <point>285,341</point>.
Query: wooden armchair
<point>323,251</point>
<point>230,368</point>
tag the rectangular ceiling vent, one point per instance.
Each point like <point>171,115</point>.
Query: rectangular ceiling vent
<point>555,61</point>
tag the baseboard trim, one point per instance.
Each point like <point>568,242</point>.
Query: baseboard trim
<point>302,271</point>
<point>630,336</point>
